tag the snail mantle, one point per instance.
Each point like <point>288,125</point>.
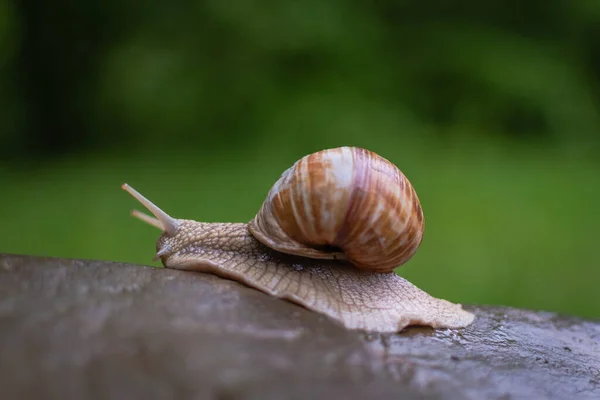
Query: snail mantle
<point>327,237</point>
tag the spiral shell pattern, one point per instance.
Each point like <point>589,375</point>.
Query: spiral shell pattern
<point>346,203</point>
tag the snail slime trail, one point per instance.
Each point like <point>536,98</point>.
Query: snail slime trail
<point>319,242</point>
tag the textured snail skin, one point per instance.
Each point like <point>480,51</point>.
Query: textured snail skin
<point>378,302</point>
<point>347,199</point>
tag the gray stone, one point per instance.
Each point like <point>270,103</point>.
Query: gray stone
<point>75,329</point>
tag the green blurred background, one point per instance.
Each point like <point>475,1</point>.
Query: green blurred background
<point>490,108</point>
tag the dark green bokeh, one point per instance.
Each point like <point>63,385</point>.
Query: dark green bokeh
<point>490,108</point>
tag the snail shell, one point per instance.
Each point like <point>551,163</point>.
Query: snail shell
<point>344,203</point>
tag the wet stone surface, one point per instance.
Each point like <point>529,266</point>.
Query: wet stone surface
<point>95,330</point>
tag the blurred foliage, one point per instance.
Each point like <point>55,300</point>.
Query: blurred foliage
<point>490,108</point>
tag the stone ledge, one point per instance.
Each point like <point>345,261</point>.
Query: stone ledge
<point>78,329</point>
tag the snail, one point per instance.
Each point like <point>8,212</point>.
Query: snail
<point>327,237</point>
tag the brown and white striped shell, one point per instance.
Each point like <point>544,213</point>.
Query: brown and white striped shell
<point>343,203</point>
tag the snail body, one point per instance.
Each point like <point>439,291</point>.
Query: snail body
<point>327,237</point>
